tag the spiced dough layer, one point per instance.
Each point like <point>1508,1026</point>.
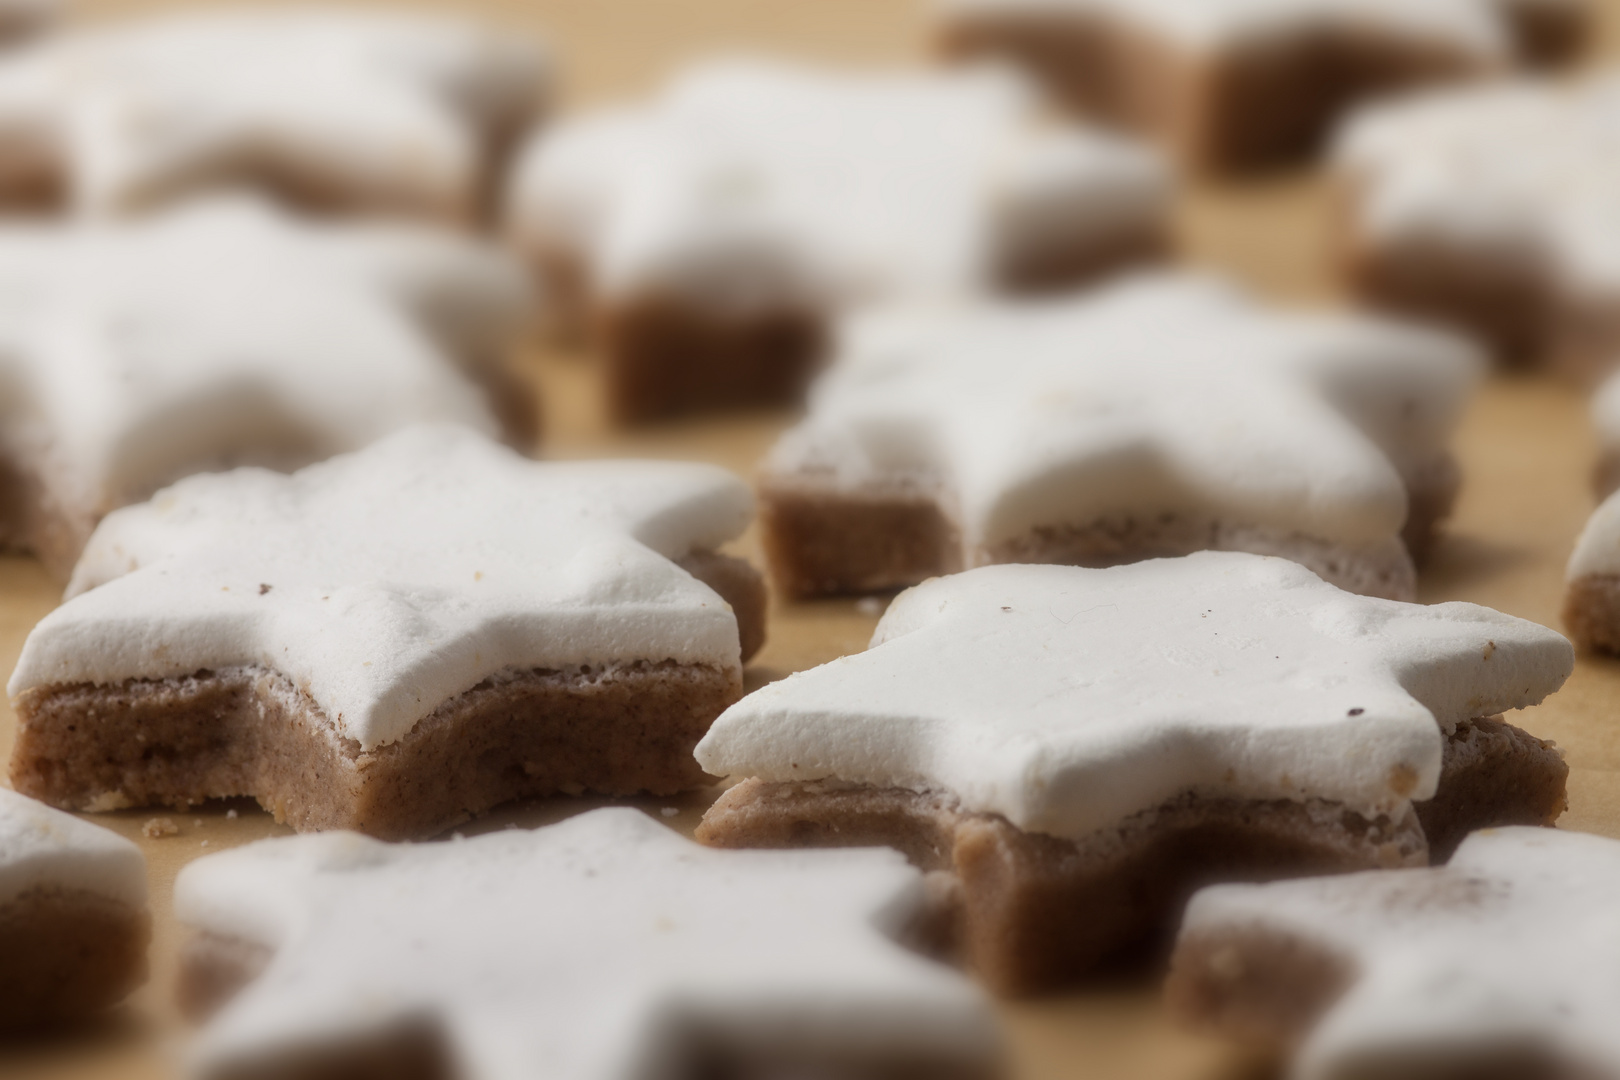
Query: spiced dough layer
<point>248,731</point>
<point>1256,104</point>
<point>1592,612</point>
<point>822,538</point>
<point>666,356</point>
<point>67,954</point>
<point>1038,911</point>
<point>214,968</point>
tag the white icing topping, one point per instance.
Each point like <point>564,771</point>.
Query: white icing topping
<point>1513,944</point>
<point>45,848</point>
<point>386,110</point>
<point>747,183</point>
<point>1068,699</point>
<point>1522,170</point>
<point>1597,549</point>
<point>386,581</point>
<point>134,354</point>
<point>1476,28</point>
<point>601,947</point>
<point>1163,394</point>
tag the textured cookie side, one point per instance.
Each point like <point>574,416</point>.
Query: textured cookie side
<point>69,953</point>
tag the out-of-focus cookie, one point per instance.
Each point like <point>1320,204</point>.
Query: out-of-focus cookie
<point>705,238</point>
<point>603,947</point>
<point>394,640</point>
<point>1164,415</point>
<point>1500,964</point>
<point>1243,84</point>
<point>333,109</point>
<point>1493,209</point>
<point>225,333</point>
<point>24,19</point>
<point>73,920</point>
<point>1592,581</point>
<point>1081,749</point>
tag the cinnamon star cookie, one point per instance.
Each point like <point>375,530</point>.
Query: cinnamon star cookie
<point>1082,749</point>
<point>336,110</point>
<point>224,333</point>
<point>1499,964</point>
<point>705,238</point>
<point>1160,416</point>
<point>1245,84</point>
<point>604,947</point>
<point>393,640</point>
<point>73,920</point>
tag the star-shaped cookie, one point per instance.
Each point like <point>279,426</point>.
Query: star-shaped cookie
<point>73,921</point>
<point>1166,414</point>
<point>225,332</point>
<point>1500,963</point>
<point>336,109</point>
<point>1093,720</point>
<point>393,639</point>
<point>1493,208</point>
<point>603,947</point>
<point>710,233</point>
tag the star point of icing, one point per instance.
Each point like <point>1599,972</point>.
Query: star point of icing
<point>399,576</point>
<point>605,946</point>
<point>1068,699</point>
<point>380,111</point>
<point>1509,948</point>
<point>132,354</point>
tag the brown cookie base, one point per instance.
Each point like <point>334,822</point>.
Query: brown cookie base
<point>1038,911</point>
<point>822,539</point>
<point>664,356</point>
<point>1258,104</point>
<point>66,954</point>
<point>214,968</point>
<point>1592,613</point>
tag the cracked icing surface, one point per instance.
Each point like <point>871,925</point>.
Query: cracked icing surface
<point>42,847</point>
<point>1525,170</point>
<point>384,582</point>
<point>132,354</point>
<point>1067,699</point>
<point>1476,27</point>
<point>600,947</point>
<point>752,182</point>
<point>1513,943</point>
<point>1163,394</point>
<point>388,110</point>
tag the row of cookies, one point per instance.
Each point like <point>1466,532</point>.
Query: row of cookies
<point>1068,753</point>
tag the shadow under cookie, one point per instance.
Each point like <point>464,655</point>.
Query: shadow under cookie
<point>1038,911</point>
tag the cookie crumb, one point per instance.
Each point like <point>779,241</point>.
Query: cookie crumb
<point>669,811</point>
<point>158,827</point>
<point>230,815</point>
<point>870,605</point>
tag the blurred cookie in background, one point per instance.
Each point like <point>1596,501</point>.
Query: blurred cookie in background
<point>1079,750</point>
<point>225,332</point>
<point>606,946</point>
<point>394,640</point>
<point>1162,415</point>
<point>330,109</point>
<point>1235,85</point>
<point>73,921</point>
<point>1499,964</point>
<point>704,240</point>
<point>21,20</point>
<point>1494,210</point>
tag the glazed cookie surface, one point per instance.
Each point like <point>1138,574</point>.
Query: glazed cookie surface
<point>1243,84</point>
<point>73,921</point>
<point>338,110</point>
<point>430,604</point>
<point>1159,416</point>
<point>605,946</point>
<point>227,333</point>
<point>1497,964</point>
<point>1493,209</point>
<point>1103,741</point>
<point>750,200</point>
